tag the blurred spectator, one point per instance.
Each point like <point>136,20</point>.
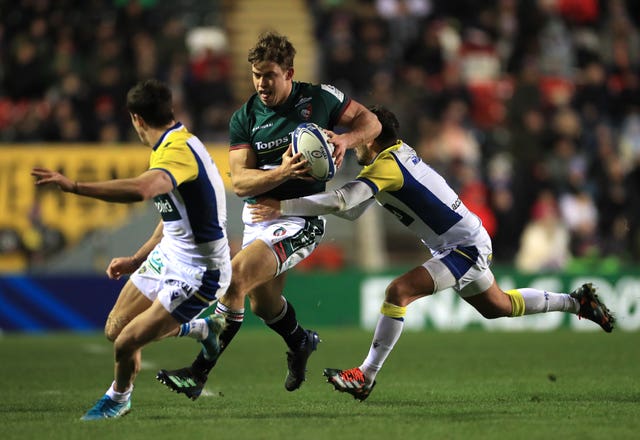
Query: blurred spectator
<point>548,90</point>
<point>66,65</point>
<point>544,245</point>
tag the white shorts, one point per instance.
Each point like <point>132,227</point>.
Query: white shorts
<point>464,268</point>
<point>183,290</point>
<point>291,239</point>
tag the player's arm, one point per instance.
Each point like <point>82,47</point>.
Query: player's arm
<point>126,265</point>
<point>144,187</point>
<point>348,201</point>
<point>363,126</point>
<point>247,180</point>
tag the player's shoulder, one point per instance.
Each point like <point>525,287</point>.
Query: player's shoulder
<point>321,89</point>
<point>175,137</point>
<point>390,153</point>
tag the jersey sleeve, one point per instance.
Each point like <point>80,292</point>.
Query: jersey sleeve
<point>238,131</point>
<point>383,174</point>
<point>178,160</point>
<point>335,101</point>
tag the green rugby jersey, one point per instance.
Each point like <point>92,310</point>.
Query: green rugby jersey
<point>267,131</point>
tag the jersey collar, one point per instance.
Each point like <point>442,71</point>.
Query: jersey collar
<point>176,126</point>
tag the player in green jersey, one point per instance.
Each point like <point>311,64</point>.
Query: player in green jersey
<point>262,164</point>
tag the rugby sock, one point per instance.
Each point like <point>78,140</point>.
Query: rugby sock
<point>234,319</point>
<point>286,325</point>
<point>197,329</point>
<point>388,331</point>
<point>528,301</point>
<point>119,397</point>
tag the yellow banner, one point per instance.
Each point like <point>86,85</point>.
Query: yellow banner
<point>23,206</point>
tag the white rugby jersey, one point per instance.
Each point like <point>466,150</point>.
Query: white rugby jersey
<point>194,213</point>
<point>411,190</point>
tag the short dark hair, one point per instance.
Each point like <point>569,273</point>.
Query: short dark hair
<point>151,99</point>
<point>390,132</point>
<point>272,46</point>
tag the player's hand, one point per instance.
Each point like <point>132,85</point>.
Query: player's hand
<point>265,209</point>
<point>44,176</point>
<point>339,147</point>
<point>122,266</point>
<point>295,166</point>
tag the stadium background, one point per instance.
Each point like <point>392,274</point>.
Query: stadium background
<point>530,109</point>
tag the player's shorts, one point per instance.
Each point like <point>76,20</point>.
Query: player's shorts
<point>464,268</point>
<point>183,290</point>
<point>291,239</point>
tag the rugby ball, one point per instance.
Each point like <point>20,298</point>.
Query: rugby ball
<point>310,140</point>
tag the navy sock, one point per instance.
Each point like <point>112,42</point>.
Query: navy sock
<point>286,325</point>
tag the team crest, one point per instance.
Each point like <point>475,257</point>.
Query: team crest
<point>279,232</point>
<point>305,112</point>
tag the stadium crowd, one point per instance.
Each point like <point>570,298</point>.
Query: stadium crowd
<point>531,109</point>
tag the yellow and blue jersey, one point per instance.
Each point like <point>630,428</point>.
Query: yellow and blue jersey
<point>421,199</point>
<point>194,213</point>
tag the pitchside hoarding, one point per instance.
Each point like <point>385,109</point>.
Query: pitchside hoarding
<point>347,298</point>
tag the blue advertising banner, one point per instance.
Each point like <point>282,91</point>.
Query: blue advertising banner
<point>345,298</point>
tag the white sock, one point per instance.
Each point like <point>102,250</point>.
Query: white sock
<point>197,329</point>
<point>388,331</point>
<point>119,397</point>
<point>541,301</point>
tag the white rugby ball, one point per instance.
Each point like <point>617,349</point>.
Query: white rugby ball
<point>310,140</point>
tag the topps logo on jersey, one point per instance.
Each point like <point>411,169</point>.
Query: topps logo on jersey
<point>310,140</point>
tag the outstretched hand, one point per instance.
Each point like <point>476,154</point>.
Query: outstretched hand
<point>44,176</point>
<point>265,209</point>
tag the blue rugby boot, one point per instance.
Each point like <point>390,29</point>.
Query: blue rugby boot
<point>106,408</point>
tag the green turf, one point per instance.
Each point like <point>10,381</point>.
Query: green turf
<point>472,385</point>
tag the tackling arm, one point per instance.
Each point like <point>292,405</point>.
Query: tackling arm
<point>363,126</point>
<point>348,201</point>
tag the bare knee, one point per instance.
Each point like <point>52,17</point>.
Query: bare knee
<point>398,293</point>
<point>113,327</point>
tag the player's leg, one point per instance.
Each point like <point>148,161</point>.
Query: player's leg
<point>130,303</point>
<point>129,307</point>
<point>420,281</point>
<point>495,303</point>
<point>151,325</point>
<point>276,248</point>
<point>252,265</point>
<point>279,314</point>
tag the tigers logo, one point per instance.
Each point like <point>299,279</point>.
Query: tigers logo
<point>279,232</point>
<point>305,112</point>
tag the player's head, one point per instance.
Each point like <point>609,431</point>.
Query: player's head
<point>272,68</point>
<point>366,152</point>
<point>390,126</point>
<point>151,100</point>
<point>150,105</point>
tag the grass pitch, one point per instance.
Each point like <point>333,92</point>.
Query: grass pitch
<point>469,385</point>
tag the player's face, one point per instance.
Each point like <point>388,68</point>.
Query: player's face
<point>271,82</point>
